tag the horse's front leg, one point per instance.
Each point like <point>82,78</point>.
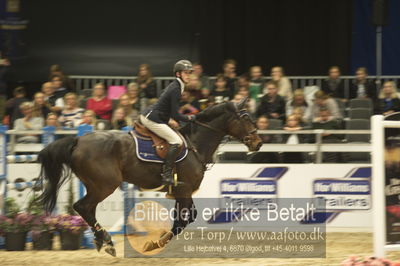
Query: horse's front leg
<point>185,213</point>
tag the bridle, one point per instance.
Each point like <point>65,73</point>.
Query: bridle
<point>240,114</point>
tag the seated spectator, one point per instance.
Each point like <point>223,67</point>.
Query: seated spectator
<point>293,125</point>
<point>251,104</point>
<point>194,86</point>
<point>298,112</point>
<point>221,92</point>
<point>71,115</point>
<point>146,83</point>
<point>188,104</point>
<point>334,85</point>
<point>28,122</point>
<point>59,87</point>
<point>265,157</point>
<point>89,118</point>
<point>299,101</point>
<point>322,100</point>
<point>271,105</point>
<point>325,120</point>
<point>388,101</point>
<point>120,119</point>
<point>99,103</point>
<point>283,83</point>
<point>55,70</point>
<point>52,121</point>
<point>362,87</point>
<point>40,107</point>
<point>256,82</point>
<point>205,99</point>
<point>134,95</point>
<point>229,73</point>
<point>204,80</point>
<point>133,114</point>
<point>13,110</point>
<point>55,104</point>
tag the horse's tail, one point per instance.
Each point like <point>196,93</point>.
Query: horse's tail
<point>55,162</point>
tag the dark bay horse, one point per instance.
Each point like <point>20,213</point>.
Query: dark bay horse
<point>103,160</point>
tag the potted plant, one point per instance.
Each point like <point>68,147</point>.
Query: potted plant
<point>14,225</point>
<point>43,225</point>
<point>71,228</point>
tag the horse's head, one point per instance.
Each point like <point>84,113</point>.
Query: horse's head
<point>242,127</point>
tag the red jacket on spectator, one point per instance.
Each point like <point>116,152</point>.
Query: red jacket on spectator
<point>102,108</point>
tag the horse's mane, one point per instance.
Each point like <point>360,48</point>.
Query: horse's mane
<point>208,114</point>
<point>213,111</point>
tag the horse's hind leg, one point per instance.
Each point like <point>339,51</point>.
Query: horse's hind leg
<point>86,207</point>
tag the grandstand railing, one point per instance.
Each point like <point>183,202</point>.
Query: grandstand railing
<point>318,147</point>
<point>88,82</point>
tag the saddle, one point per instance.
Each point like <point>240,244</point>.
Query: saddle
<point>161,145</point>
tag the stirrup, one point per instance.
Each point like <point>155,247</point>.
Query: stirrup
<point>171,181</point>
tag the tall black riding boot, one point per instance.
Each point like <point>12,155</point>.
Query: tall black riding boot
<point>168,167</point>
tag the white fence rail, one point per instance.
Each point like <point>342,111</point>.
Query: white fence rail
<point>317,147</point>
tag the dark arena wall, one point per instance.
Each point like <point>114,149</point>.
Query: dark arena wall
<point>103,37</point>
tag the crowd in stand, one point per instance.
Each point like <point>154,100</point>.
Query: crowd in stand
<point>271,100</point>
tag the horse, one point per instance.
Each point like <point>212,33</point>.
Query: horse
<point>103,160</point>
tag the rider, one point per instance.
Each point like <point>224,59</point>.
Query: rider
<point>156,117</point>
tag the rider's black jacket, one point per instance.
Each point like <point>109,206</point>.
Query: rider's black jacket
<point>167,105</point>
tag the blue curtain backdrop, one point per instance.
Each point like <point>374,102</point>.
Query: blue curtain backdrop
<point>364,39</point>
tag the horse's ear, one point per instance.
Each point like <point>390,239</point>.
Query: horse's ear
<point>241,105</point>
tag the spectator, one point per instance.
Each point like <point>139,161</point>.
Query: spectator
<point>388,101</point>
<point>133,95</point>
<point>194,86</point>
<point>40,107</point>
<point>322,100</point>
<point>99,103</point>
<point>59,87</point>
<point>55,70</point>
<point>188,105</point>
<point>362,87</point>
<point>206,99</point>
<point>13,110</point>
<point>271,105</point>
<point>55,104</point>
<point>292,125</point>
<point>299,113</point>
<point>89,118</point>
<point>221,92</point>
<point>71,115</point>
<point>265,157</point>
<point>146,82</point>
<point>28,122</point>
<point>299,101</point>
<point>283,83</point>
<point>52,120</point>
<point>256,82</point>
<point>120,119</point>
<point>4,65</point>
<point>129,111</point>
<point>251,104</point>
<point>204,80</point>
<point>326,121</point>
<point>333,85</point>
<point>229,74</point>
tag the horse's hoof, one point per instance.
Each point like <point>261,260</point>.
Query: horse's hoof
<point>98,244</point>
<point>149,246</point>
<point>111,250</point>
<point>165,238</point>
